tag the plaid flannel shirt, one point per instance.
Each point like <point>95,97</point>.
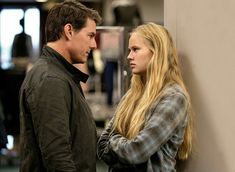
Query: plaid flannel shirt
<point>154,149</point>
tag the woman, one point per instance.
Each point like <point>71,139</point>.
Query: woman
<point>152,126</point>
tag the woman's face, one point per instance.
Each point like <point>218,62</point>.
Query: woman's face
<point>139,55</point>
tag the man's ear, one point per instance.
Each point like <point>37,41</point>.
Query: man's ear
<point>68,31</point>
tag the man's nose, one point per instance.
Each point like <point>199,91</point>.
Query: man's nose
<point>93,44</point>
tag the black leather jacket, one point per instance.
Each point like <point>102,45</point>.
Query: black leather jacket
<point>57,129</point>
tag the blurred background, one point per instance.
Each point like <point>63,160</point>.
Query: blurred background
<point>203,32</point>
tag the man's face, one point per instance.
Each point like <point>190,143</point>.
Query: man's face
<point>82,42</point>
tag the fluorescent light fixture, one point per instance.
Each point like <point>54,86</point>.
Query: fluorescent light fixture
<point>41,0</point>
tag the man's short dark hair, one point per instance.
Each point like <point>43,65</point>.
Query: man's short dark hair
<point>69,11</point>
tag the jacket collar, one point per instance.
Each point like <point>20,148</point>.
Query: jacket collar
<point>76,74</point>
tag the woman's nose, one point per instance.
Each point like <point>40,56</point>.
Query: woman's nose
<point>129,57</point>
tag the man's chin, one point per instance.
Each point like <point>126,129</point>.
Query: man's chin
<point>80,62</point>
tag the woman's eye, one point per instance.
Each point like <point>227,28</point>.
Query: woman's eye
<point>135,49</point>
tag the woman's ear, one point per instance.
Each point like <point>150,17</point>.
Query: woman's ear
<point>68,31</point>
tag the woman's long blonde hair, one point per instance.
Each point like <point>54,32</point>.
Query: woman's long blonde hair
<point>163,70</point>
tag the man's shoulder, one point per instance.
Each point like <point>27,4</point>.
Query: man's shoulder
<point>46,67</point>
<point>43,69</point>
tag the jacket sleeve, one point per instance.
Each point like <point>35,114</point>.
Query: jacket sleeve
<point>166,116</point>
<point>103,150</point>
<point>50,105</point>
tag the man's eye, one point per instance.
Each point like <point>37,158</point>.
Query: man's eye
<point>91,36</point>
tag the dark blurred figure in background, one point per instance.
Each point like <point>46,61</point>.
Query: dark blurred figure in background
<point>3,134</point>
<point>126,13</point>
<point>22,43</point>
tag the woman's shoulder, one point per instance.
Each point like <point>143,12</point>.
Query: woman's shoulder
<point>172,90</point>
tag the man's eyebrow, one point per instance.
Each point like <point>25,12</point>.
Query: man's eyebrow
<point>93,34</point>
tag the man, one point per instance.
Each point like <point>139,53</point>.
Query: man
<point>58,132</point>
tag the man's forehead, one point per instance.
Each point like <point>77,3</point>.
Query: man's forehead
<point>90,26</point>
